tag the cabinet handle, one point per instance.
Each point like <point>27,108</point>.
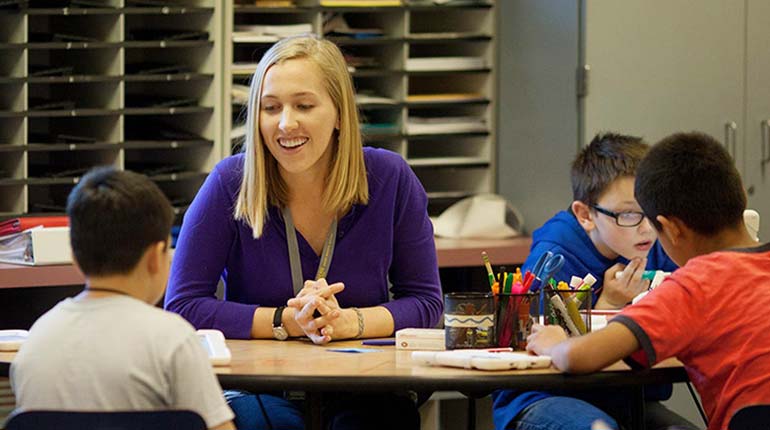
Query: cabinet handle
<point>730,129</point>
<point>765,144</point>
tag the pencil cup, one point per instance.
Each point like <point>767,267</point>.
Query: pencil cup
<point>569,309</point>
<point>469,320</point>
<point>514,316</point>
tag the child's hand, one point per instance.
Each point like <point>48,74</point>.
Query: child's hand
<point>545,337</point>
<point>616,293</point>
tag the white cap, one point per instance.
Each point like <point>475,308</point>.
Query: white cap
<point>575,282</point>
<point>589,279</point>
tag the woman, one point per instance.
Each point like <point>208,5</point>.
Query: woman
<point>359,215</point>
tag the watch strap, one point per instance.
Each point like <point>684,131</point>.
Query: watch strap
<point>277,316</point>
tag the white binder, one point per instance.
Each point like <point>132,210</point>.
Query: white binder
<point>37,246</point>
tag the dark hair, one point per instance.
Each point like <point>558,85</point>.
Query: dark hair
<point>114,217</point>
<point>608,157</point>
<point>691,176</point>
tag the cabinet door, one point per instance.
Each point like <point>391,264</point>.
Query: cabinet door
<point>757,171</point>
<point>658,67</point>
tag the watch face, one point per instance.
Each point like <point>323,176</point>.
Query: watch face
<point>280,333</point>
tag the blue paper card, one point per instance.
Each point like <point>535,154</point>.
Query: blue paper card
<point>354,350</point>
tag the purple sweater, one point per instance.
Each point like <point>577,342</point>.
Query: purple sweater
<point>389,239</point>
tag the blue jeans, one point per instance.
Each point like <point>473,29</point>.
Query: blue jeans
<point>264,411</point>
<point>561,413</point>
<point>344,411</point>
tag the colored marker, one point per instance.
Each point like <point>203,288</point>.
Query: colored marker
<point>648,275</point>
<point>585,289</point>
<point>490,273</point>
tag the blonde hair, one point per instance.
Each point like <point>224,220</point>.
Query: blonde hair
<point>262,184</point>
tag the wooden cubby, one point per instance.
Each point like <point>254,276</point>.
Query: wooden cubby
<point>127,83</point>
<point>452,163</point>
<point>159,88</point>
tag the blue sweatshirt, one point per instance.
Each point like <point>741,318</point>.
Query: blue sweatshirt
<point>563,235</point>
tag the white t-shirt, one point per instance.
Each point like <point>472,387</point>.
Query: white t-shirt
<point>115,353</point>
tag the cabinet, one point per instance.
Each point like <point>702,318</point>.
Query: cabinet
<point>425,78</point>
<point>131,83</point>
<point>757,136</point>
<point>158,86</point>
<point>648,68</point>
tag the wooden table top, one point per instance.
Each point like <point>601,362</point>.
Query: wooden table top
<point>296,364</point>
<point>268,365</point>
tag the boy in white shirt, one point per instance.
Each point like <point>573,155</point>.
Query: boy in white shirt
<point>109,348</point>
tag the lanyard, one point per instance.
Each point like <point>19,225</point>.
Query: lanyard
<point>294,261</point>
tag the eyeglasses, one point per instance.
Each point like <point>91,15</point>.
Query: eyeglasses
<point>623,219</point>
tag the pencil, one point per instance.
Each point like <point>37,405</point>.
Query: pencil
<point>491,274</point>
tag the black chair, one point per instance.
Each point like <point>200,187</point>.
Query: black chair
<point>128,420</point>
<point>754,417</point>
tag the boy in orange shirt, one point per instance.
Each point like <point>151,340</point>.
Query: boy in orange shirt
<point>689,188</point>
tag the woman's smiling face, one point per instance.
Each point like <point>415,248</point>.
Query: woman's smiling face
<point>297,117</point>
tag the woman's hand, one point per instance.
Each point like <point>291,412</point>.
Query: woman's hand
<point>620,289</point>
<point>323,289</point>
<point>316,309</point>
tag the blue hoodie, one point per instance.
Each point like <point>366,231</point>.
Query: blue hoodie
<point>563,235</point>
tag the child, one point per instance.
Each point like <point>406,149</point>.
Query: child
<point>108,348</point>
<point>691,191</point>
<point>604,232</point>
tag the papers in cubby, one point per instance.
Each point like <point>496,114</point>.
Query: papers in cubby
<point>239,94</point>
<point>443,125</point>
<point>444,98</point>
<point>268,33</point>
<point>243,68</point>
<point>363,98</point>
<point>424,64</point>
<point>335,25</point>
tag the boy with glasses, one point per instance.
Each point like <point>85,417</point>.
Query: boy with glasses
<point>604,232</point>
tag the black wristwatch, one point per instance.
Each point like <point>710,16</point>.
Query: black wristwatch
<point>279,332</point>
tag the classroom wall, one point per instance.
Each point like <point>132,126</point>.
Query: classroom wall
<point>538,113</point>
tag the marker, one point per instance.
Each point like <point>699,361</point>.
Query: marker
<point>648,275</point>
<point>379,342</point>
<point>508,284</point>
<point>518,288</point>
<point>585,289</point>
<point>490,273</point>
<point>504,349</point>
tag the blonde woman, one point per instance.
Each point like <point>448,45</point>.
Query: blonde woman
<point>305,202</point>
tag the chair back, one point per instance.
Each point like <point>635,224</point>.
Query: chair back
<point>122,420</point>
<point>754,417</point>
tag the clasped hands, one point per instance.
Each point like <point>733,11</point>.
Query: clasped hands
<point>319,315</point>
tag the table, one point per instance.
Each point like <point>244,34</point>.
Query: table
<point>451,253</point>
<point>266,365</point>
<point>467,252</point>
<point>297,365</point>
<point>20,276</point>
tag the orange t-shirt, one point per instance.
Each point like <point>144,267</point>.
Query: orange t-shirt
<point>713,314</point>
